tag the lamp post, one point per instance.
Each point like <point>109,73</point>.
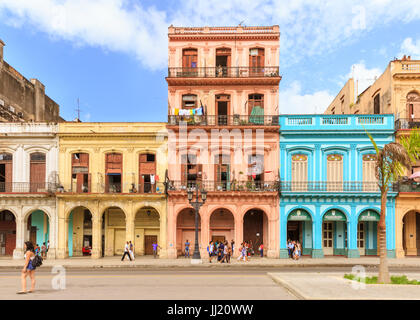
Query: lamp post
<point>196,258</point>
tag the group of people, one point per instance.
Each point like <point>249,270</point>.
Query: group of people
<point>221,250</point>
<point>247,250</point>
<point>295,249</point>
<point>43,250</point>
<point>129,250</point>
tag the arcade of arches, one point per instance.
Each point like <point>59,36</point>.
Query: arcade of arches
<point>105,235</point>
<point>407,225</point>
<point>221,224</point>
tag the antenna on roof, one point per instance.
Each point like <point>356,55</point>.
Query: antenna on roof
<point>240,23</point>
<point>78,110</point>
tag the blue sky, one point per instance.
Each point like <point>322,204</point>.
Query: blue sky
<point>112,54</point>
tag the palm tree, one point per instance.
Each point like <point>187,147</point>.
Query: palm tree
<point>391,161</point>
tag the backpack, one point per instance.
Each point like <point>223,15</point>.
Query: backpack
<point>37,261</point>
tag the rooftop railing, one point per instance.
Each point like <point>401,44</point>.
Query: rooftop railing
<point>223,72</point>
<point>334,122</point>
<point>215,30</point>
<point>220,186</point>
<point>231,120</point>
<point>407,123</point>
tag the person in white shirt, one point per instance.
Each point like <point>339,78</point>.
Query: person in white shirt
<point>126,251</point>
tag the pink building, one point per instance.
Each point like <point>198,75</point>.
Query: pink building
<point>224,135</point>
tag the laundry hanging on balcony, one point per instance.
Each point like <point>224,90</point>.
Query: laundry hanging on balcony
<point>257,115</point>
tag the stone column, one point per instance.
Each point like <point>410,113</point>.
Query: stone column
<point>205,233</point>
<point>96,236</point>
<point>284,253</point>
<point>163,253</point>
<point>352,251</point>
<point>317,251</point>
<point>239,235</point>
<point>171,232</point>
<point>62,250</point>
<point>272,251</point>
<point>52,237</point>
<point>20,238</point>
<point>399,233</point>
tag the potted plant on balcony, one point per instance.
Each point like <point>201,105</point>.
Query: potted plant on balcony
<point>236,119</point>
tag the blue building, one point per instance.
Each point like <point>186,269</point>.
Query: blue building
<point>330,201</point>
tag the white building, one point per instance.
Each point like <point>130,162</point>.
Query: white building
<point>28,177</point>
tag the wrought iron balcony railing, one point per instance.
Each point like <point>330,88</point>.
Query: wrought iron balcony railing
<point>247,186</point>
<point>327,186</point>
<point>27,187</point>
<point>145,188</point>
<point>407,123</point>
<point>223,72</point>
<point>231,120</point>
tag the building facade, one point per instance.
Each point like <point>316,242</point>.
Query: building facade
<point>111,188</point>
<point>22,99</point>
<point>396,91</point>
<point>28,172</point>
<point>223,135</point>
<point>330,200</point>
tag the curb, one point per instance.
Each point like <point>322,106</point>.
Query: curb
<point>288,287</point>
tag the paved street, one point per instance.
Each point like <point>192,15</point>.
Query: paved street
<point>206,284</point>
<point>129,284</point>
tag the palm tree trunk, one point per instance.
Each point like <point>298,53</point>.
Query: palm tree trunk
<point>383,276</point>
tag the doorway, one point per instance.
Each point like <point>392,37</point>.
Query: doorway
<point>328,241</point>
<point>222,109</point>
<point>148,244</point>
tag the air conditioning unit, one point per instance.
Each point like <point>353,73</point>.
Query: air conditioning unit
<point>12,109</point>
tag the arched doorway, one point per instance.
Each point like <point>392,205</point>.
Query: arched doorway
<point>411,233</point>
<point>38,228</point>
<point>367,233</point>
<point>334,233</point>
<point>256,229</point>
<point>7,233</point>
<point>299,228</point>
<point>113,232</point>
<point>185,230</point>
<point>222,225</point>
<point>147,230</point>
<point>80,232</point>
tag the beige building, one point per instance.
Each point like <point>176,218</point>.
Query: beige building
<point>111,188</point>
<point>397,92</point>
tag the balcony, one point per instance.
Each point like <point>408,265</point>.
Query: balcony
<point>145,188</point>
<point>235,120</point>
<point>325,186</point>
<point>223,72</point>
<point>27,187</point>
<point>408,186</point>
<point>225,186</point>
<point>407,123</point>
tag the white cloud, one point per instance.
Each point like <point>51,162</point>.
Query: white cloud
<point>410,48</point>
<point>292,101</point>
<point>309,27</point>
<point>363,77</point>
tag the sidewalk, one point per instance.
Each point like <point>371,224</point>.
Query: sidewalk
<point>333,286</point>
<point>149,262</point>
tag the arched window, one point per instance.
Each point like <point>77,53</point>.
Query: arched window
<point>299,172</point>
<point>368,170</point>
<point>413,109</point>
<point>334,172</point>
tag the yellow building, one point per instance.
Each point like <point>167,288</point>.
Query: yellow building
<point>111,188</point>
<point>396,91</point>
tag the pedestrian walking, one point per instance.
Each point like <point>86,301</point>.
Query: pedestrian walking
<point>131,250</point>
<point>48,246</point>
<point>187,249</point>
<point>155,249</point>
<point>28,268</point>
<point>37,249</point>
<point>261,249</point>
<point>210,249</point>
<point>232,245</point>
<point>126,251</point>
